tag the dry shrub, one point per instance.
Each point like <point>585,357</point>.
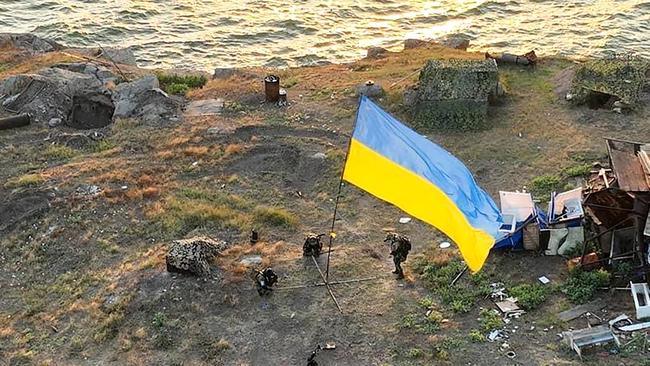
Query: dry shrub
<point>145,180</point>
<point>233,149</point>
<point>150,192</point>
<point>177,141</point>
<point>165,155</point>
<point>196,151</point>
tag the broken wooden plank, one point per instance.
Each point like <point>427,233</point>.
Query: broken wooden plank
<point>577,311</point>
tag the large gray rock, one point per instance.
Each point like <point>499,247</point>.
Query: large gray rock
<point>192,256</point>
<point>143,99</point>
<point>49,94</point>
<point>376,52</point>
<point>457,41</point>
<point>123,56</point>
<point>29,42</point>
<point>101,73</point>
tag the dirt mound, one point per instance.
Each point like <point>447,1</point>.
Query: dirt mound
<point>17,209</point>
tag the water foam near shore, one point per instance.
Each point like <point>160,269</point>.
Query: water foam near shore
<point>205,34</point>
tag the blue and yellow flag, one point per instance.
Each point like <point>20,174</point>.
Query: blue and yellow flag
<point>402,167</point>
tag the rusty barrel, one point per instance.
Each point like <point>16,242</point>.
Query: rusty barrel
<point>14,122</point>
<point>272,88</point>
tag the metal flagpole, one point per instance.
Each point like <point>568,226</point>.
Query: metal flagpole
<point>338,194</point>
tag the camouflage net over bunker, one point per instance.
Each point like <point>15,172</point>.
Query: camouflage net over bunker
<point>622,79</point>
<point>453,94</point>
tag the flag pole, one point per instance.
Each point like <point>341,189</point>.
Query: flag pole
<point>338,194</point>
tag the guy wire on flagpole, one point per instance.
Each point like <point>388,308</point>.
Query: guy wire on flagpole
<point>338,194</point>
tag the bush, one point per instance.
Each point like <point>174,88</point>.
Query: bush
<point>180,84</point>
<point>27,180</point>
<point>578,170</point>
<point>476,336</point>
<point>529,296</point>
<point>582,285</point>
<point>545,184</point>
<point>274,217</point>
<point>490,320</point>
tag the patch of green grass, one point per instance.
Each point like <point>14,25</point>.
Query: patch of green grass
<point>576,251</point>
<point>290,82</point>
<point>426,302</point>
<point>545,184</point>
<point>276,119</point>
<point>529,296</point>
<point>159,320</point>
<point>577,170</point>
<point>192,208</point>
<point>581,286</point>
<point>489,320</point>
<point>274,216</point>
<point>59,152</point>
<point>424,325</point>
<point>461,297</point>
<point>109,327</point>
<point>476,336</point>
<point>103,145</point>
<point>415,353</point>
<point>27,180</point>
<point>180,84</point>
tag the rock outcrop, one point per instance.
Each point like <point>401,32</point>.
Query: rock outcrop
<point>29,42</point>
<point>192,256</point>
<point>81,95</point>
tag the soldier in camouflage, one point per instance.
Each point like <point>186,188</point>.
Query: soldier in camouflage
<point>400,245</point>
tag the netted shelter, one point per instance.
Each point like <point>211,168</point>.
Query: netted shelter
<point>600,83</point>
<point>453,94</point>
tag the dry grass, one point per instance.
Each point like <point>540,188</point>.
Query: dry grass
<point>229,260</point>
<point>27,180</point>
<point>233,149</point>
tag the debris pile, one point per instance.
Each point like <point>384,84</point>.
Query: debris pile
<point>192,256</point>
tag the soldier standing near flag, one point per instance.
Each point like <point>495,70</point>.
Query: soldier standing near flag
<point>400,245</point>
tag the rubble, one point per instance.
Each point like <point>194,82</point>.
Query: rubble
<point>641,296</point>
<point>191,256</point>
<point>587,337</point>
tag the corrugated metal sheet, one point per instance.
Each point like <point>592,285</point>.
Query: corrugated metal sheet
<point>627,166</point>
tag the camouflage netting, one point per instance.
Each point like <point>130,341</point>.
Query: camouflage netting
<point>623,79</point>
<point>453,94</point>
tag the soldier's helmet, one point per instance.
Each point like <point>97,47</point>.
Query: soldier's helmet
<point>391,236</point>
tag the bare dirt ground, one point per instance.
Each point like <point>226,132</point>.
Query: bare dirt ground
<point>83,278</point>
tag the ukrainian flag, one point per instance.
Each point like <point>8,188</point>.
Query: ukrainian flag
<point>402,167</point>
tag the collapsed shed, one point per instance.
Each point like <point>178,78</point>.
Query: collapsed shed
<point>617,209</point>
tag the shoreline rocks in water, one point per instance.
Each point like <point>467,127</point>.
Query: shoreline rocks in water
<point>29,42</point>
